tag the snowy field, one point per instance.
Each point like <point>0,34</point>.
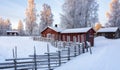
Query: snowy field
<point>106,56</point>
<point>25,46</point>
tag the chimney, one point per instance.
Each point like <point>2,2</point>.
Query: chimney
<point>56,25</point>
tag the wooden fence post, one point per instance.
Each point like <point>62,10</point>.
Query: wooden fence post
<point>15,52</point>
<point>86,46</point>
<point>90,50</point>
<point>35,58</point>
<point>79,49</point>
<point>63,44</point>
<point>59,57</point>
<point>89,46</point>
<point>48,52</point>
<point>15,67</point>
<point>83,48</point>
<point>15,64</point>
<point>75,53</point>
<point>68,53</point>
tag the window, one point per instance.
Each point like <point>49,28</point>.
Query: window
<point>63,38</point>
<point>82,38</point>
<point>48,35</point>
<point>53,37</point>
<point>59,37</point>
<point>68,38</point>
<point>117,35</point>
<point>74,39</point>
<point>113,34</point>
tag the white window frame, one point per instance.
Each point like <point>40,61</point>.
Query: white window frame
<point>74,39</point>
<point>68,38</point>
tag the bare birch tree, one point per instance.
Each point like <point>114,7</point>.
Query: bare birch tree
<point>114,14</point>
<point>46,17</point>
<point>5,25</point>
<point>20,28</point>
<point>30,17</point>
<point>79,13</point>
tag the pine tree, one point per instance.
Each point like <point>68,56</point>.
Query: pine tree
<point>30,17</point>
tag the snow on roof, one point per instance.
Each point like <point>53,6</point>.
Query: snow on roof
<point>56,29</point>
<point>109,29</point>
<point>77,30</point>
<point>12,31</point>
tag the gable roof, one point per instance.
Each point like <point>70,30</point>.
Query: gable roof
<point>56,29</point>
<point>53,28</point>
<point>77,30</point>
<point>109,29</point>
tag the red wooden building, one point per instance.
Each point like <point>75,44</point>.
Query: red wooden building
<point>51,32</point>
<point>70,35</point>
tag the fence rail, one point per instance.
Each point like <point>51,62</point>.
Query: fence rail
<point>48,61</point>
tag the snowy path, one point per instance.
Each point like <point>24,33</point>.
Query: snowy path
<point>105,57</point>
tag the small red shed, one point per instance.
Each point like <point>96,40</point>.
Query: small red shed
<point>73,35</point>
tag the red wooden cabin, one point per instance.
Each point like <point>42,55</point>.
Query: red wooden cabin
<point>78,35</point>
<point>70,35</point>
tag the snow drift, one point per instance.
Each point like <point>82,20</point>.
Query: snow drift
<point>105,57</point>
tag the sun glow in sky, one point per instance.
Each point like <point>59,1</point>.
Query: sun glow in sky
<point>15,9</point>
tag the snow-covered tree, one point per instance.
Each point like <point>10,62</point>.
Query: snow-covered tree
<point>8,24</point>
<point>46,17</point>
<point>20,28</point>
<point>36,30</point>
<point>30,17</point>
<point>97,26</point>
<point>1,26</point>
<point>79,13</point>
<point>5,25</point>
<point>114,14</point>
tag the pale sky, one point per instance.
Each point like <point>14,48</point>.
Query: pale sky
<point>15,9</point>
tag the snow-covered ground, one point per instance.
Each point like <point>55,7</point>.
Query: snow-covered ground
<point>105,53</point>
<point>106,56</point>
<point>25,47</point>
